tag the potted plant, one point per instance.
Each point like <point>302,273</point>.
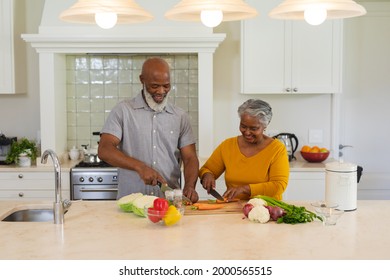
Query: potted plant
<point>22,152</point>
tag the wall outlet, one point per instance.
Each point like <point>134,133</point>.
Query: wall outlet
<point>315,136</point>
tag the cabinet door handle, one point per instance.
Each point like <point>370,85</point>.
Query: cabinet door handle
<point>295,90</point>
<point>288,89</point>
<point>21,194</point>
<point>20,176</point>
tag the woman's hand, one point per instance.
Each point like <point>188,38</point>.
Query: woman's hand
<point>237,191</point>
<point>208,182</point>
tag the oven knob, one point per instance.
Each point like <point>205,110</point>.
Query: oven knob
<point>90,179</point>
<point>100,179</point>
<point>81,179</point>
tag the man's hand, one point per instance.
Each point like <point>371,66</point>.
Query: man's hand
<point>149,175</point>
<point>191,194</point>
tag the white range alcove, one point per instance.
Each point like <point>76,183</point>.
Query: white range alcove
<point>56,39</point>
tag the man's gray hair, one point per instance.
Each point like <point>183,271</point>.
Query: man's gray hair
<point>256,108</point>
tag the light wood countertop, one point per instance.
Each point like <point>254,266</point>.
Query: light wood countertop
<point>100,230</point>
<point>66,165</point>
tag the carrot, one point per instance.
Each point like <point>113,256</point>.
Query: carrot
<point>226,201</point>
<point>206,206</point>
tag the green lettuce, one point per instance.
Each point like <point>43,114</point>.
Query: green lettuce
<point>141,202</point>
<point>126,202</point>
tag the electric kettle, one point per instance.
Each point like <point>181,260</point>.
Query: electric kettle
<point>291,143</point>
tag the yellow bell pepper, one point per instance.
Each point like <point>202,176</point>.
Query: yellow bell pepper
<point>172,216</point>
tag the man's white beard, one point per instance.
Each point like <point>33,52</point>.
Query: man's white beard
<point>157,107</point>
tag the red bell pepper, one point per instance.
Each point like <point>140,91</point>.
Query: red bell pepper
<point>161,205</point>
<point>153,215</point>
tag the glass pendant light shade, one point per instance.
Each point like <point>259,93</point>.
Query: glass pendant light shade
<point>211,18</point>
<point>315,15</point>
<point>190,10</point>
<point>84,11</point>
<point>106,20</point>
<point>336,9</point>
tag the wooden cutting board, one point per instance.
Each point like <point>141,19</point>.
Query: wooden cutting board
<point>228,208</point>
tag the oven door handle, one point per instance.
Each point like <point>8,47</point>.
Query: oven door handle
<point>98,190</point>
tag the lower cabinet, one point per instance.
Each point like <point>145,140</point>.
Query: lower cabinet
<point>305,186</point>
<point>16,185</point>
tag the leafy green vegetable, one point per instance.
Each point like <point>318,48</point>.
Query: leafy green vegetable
<point>294,214</point>
<point>126,202</point>
<point>142,202</point>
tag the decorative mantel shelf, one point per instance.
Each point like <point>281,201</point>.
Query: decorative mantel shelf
<point>123,44</point>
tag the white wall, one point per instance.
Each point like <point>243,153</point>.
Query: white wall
<point>19,114</point>
<point>365,102</point>
<point>366,95</point>
<point>296,114</point>
<point>290,113</point>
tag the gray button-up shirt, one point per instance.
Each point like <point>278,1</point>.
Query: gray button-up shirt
<point>152,137</point>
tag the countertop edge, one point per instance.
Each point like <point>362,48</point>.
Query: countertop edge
<point>295,166</point>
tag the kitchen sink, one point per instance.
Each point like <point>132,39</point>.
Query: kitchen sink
<point>31,215</point>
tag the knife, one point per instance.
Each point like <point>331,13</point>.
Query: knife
<point>165,187</point>
<point>214,193</point>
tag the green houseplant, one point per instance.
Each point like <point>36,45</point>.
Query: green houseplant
<point>22,148</point>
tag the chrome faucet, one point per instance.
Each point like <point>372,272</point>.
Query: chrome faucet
<point>58,205</point>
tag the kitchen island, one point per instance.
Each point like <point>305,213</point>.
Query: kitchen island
<point>100,230</point>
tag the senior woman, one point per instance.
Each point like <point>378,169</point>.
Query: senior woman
<point>253,163</point>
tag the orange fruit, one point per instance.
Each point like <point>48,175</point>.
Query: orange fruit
<point>314,149</point>
<point>305,149</point>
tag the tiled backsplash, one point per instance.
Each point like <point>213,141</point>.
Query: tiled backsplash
<point>95,83</point>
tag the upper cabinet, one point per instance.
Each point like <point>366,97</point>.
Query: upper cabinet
<point>293,57</point>
<point>12,47</point>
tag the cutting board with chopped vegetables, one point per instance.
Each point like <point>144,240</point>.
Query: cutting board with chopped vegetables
<point>206,207</point>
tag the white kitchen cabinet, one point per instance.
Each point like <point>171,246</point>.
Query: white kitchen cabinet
<point>279,56</point>
<point>305,185</point>
<point>17,185</point>
<point>12,48</point>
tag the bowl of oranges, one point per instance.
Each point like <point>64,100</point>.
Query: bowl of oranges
<point>314,153</point>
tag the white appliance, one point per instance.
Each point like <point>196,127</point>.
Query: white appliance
<point>341,184</point>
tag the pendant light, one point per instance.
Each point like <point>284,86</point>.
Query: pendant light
<point>105,13</point>
<point>211,12</point>
<point>317,11</point>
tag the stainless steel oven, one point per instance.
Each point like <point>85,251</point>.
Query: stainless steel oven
<point>98,181</point>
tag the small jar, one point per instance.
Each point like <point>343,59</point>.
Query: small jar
<point>178,198</point>
<point>169,195</point>
<point>74,153</point>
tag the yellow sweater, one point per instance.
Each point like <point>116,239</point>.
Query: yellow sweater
<point>267,172</point>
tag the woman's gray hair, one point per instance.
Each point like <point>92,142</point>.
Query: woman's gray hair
<point>256,108</point>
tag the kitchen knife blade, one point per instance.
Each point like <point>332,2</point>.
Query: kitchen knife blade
<point>214,193</point>
<point>165,187</point>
